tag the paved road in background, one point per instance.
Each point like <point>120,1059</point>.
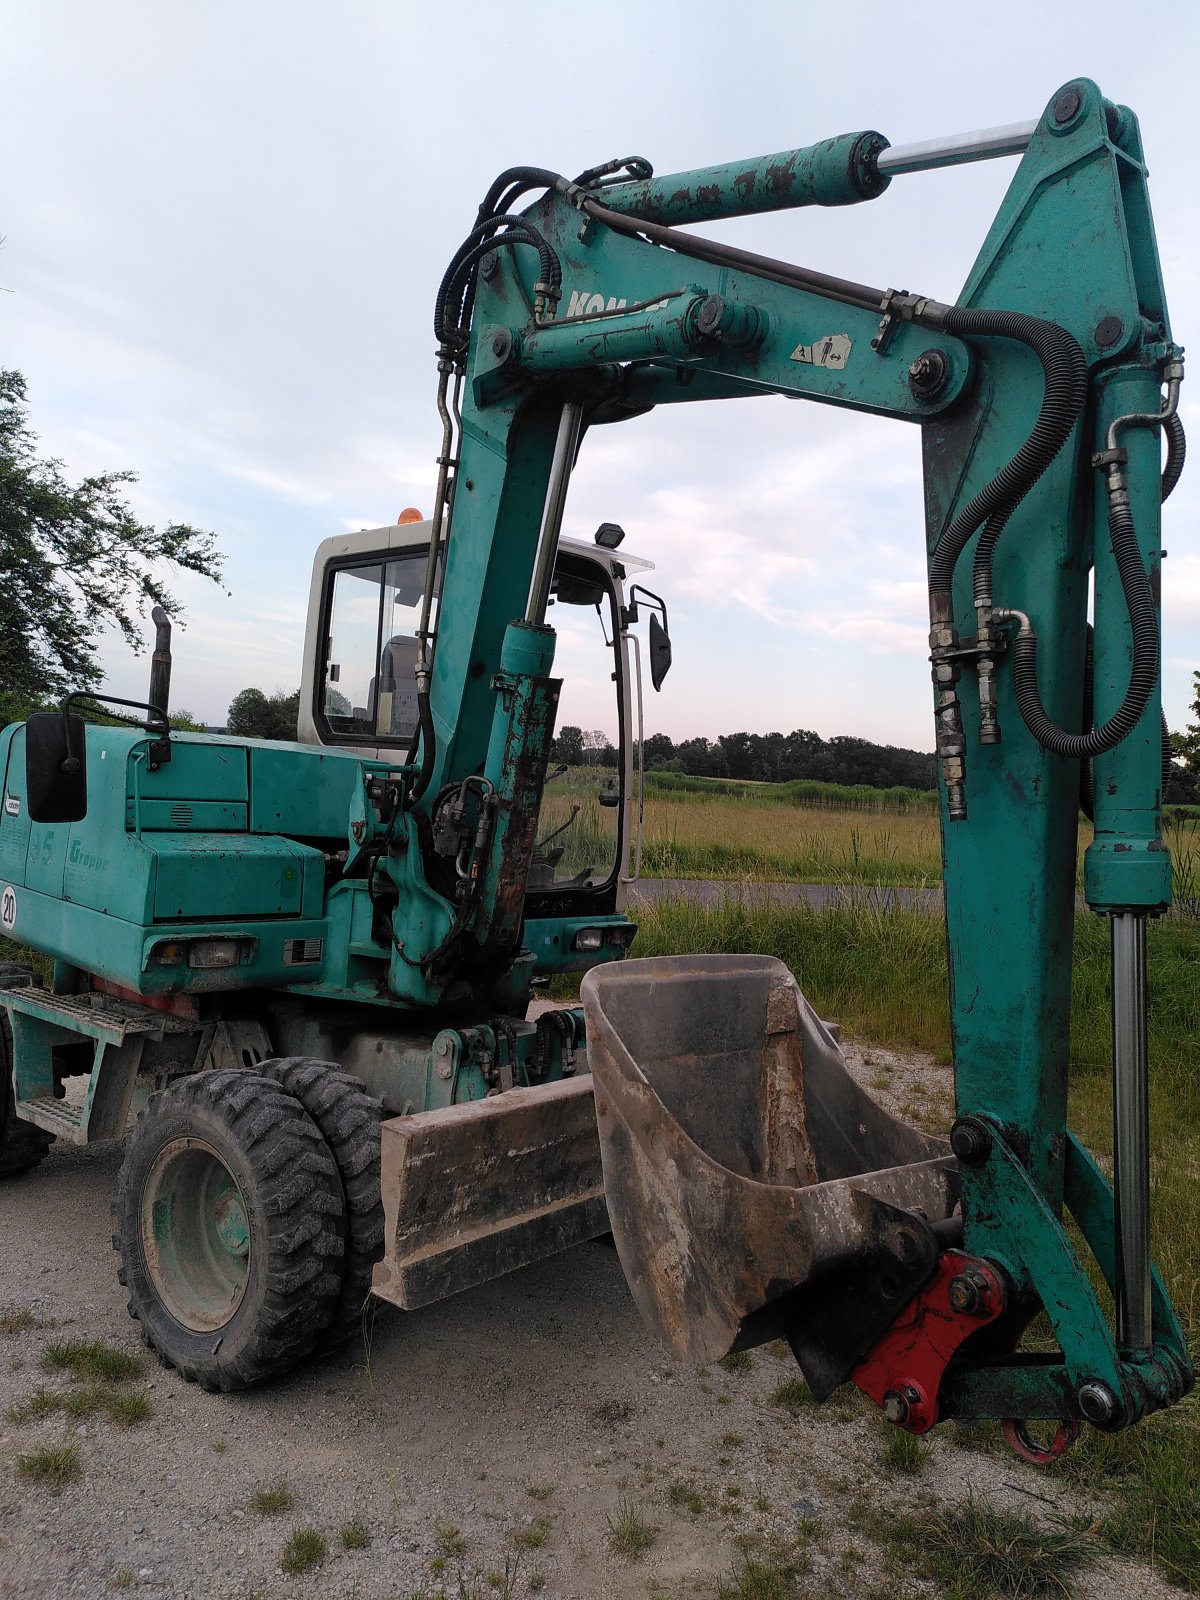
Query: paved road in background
<point>707,892</point>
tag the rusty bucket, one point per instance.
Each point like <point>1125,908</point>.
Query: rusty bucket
<point>754,1190</point>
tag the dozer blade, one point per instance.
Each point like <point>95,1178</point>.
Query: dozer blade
<point>754,1190</point>
<point>475,1190</point>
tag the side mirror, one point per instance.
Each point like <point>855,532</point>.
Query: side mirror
<point>55,767</point>
<point>660,652</point>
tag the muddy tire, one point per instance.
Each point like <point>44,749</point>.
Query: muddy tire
<point>22,1145</point>
<point>229,1220</point>
<point>349,1120</point>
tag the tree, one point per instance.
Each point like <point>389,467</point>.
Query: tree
<point>74,557</point>
<point>254,715</point>
<point>568,747</point>
<point>1184,784</point>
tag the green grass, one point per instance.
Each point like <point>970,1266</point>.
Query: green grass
<point>762,1578</point>
<point>904,1452</point>
<point>737,1361</point>
<point>685,1496</point>
<point>270,1500</point>
<point>533,1535</point>
<point>450,1541</point>
<point>54,1467</point>
<point>20,1319</point>
<point>628,1531</point>
<point>91,1359</point>
<point>127,1408</point>
<point>304,1550</point>
<point>793,1394</point>
<point>974,1550</point>
<point>354,1535</point>
<point>880,972</point>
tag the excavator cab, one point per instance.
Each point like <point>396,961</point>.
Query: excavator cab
<point>359,693</point>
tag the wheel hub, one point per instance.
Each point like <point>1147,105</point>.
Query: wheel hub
<point>196,1235</point>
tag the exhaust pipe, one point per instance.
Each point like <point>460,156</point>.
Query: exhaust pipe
<point>160,666</point>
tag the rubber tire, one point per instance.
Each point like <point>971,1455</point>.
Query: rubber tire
<point>295,1211</point>
<point>349,1119</point>
<point>22,1145</point>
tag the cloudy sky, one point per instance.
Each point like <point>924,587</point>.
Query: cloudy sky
<point>225,223</point>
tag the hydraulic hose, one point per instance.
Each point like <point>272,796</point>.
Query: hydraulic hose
<point>1143,674</point>
<point>457,280</point>
<point>1139,603</point>
<point>517,180</point>
<point>1066,381</point>
<point>1176,451</point>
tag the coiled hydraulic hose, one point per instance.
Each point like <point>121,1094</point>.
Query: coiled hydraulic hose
<point>1066,380</point>
<point>1135,587</point>
<point>1143,674</point>
<point>456,291</point>
<point>1176,451</point>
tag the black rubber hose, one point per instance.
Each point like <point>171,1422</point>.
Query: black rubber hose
<point>458,277</point>
<point>428,747</point>
<point>1143,674</point>
<point>1176,451</point>
<point>519,179</point>
<point>1063,397</point>
<point>724,255</point>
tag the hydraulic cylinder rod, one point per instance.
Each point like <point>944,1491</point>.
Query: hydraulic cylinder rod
<point>1131,1130</point>
<point>952,150</point>
<point>566,444</point>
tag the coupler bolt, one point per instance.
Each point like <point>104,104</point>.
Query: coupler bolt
<point>1098,1404</point>
<point>896,1407</point>
<point>928,375</point>
<point>967,1293</point>
<point>971,1141</point>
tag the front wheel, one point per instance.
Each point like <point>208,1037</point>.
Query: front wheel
<point>230,1222</point>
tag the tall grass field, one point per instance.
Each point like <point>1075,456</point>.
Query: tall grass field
<point>800,832</point>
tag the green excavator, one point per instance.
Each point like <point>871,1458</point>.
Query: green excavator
<point>308,968</point>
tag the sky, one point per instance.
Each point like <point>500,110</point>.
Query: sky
<point>225,224</point>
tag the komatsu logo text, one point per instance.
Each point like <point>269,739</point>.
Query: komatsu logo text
<point>585,304</point>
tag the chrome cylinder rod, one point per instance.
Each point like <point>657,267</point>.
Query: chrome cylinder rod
<point>565,446</point>
<point>956,148</point>
<point>1131,1130</point>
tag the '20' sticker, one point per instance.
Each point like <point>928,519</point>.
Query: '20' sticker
<point>8,908</point>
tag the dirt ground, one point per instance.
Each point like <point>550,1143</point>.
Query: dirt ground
<point>512,1424</point>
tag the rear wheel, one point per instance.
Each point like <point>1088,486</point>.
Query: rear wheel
<point>349,1120</point>
<point>230,1224</point>
<point>22,1145</point>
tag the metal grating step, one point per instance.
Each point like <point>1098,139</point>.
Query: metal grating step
<point>56,1116</point>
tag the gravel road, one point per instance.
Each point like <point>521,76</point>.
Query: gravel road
<point>509,1424</point>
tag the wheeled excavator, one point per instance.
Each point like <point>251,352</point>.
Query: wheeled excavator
<point>308,967</point>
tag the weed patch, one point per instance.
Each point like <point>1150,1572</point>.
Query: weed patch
<point>904,1452</point>
<point>975,1549</point>
<point>793,1394</point>
<point>20,1319</point>
<point>629,1533</point>
<point>685,1496</point>
<point>450,1541</point>
<point>53,1467</point>
<point>354,1535</point>
<point>91,1360</point>
<point>761,1579</point>
<point>304,1550</point>
<point>533,1535</point>
<point>270,1500</point>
